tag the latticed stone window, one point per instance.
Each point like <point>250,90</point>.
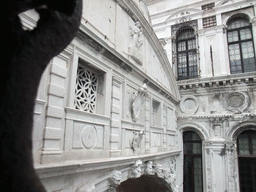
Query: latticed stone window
<point>209,22</point>
<point>86,90</point>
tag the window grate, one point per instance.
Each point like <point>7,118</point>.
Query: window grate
<point>86,90</point>
<point>209,22</point>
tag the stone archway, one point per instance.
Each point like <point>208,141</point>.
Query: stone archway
<point>145,183</point>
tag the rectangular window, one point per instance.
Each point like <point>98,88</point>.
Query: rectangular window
<point>86,89</point>
<point>209,22</point>
<point>208,6</point>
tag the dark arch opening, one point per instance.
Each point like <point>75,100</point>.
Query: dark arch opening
<point>145,183</point>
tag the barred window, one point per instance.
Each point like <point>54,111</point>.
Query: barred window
<point>186,53</point>
<point>209,22</point>
<point>240,46</point>
<point>208,6</point>
<point>86,89</point>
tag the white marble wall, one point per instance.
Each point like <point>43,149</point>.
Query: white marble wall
<point>78,151</point>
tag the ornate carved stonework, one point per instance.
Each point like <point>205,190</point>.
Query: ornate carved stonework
<point>149,170</point>
<point>115,178</point>
<point>135,171</point>
<point>237,102</point>
<point>138,101</point>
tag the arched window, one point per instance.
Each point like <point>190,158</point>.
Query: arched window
<point>246,143</point>
<point>192,173</point>
<point>240,46</point>
<point>186,53</point>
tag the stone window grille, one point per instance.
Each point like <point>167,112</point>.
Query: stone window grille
<point>209,22</point>
<point>86,89</point>
<point>240,46</point>
<point>208,6</point>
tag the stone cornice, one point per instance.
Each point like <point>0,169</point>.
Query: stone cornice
<point>218,6</point>
<point>221,81</point>
<point>74,167</point>
<point>217,117</point>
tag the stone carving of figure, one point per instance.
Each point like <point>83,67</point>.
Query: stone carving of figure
<point>136,32</point>
<point>115,178</point>
<point>159,170</point>
<point>138,101</point>
<point>135,171</point>
<point>149,168</point>
<point>135,143</point>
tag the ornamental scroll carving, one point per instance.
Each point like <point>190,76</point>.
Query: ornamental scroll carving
<point>138,101</point>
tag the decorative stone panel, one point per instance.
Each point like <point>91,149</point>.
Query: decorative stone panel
<point>237,102</point>
<point>189,104</point>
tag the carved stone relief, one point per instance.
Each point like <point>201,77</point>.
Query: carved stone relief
<point>237,102</point>
<point>87,136</point>
<point>151,168</point>
<point>138,101</point>
<point>115,178</point>
<point>135,141</point>
<point>136,42</point>
<point>136,169</point>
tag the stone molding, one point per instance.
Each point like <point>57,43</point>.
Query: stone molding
<point>231,80</point>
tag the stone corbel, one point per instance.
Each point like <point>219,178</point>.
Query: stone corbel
<point>136,170</point>
<point>115,179</point>
<point>138,101</point>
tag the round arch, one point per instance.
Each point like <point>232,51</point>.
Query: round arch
<point>239,128</point>
<point>241,13</point>
<point>145,183</point>
<point>200,130</point>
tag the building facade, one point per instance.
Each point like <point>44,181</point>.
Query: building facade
<point>211,47</point>
<point>105,113</point>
